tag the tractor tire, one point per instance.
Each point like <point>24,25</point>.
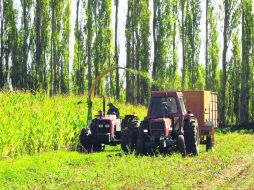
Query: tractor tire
<point>191,136</point>
<point>127,141</point>
<point>85,141</point>
<point>144,124</point>
<point>140,146</point>
<point>181,145</point>
<point>97,147</point>
<point>208,142</point>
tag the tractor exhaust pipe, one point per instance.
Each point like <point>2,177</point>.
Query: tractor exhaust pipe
<point>104,106</point>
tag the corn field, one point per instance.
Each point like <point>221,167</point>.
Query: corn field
<point>33,123</point>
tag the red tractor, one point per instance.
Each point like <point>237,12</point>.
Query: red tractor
<point>105,130</point>
<point>169,127</point>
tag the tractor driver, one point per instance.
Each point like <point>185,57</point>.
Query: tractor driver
<point>113,110</point>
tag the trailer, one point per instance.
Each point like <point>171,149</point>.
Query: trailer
<point>204,105</point>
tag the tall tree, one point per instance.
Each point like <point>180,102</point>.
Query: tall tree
<point>89,32</point>
<point>41,22</point>
<point>192,43</point>
<point>26,39</point>
<point>231,21</point>
<point>247,39</point>
<point>1,42</point>
<point>212,50</point>
<point>233,82</point>
<point>144,51</point>
<point>57,10</point>
<point>64,50</point>
<point>162,30</point>
<point>11,49</point>
<point>183,26</point>
<point>117,51</point>
<point>102,44</point>
<point>138,50</point>
<point>129,49</point>
<point>79,54</point>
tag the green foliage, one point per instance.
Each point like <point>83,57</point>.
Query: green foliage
<point>192,24</point>
<point>233,83</point>
<point>213,51</point>
<point>35,123</point>
<point>78,75</point>
<point>221,168</point>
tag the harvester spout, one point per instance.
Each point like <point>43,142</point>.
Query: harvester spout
<point>89,114</point>
<point>104,106</point>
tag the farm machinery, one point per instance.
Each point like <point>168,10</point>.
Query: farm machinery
<point>105,130</point>
<point>176,121</point>
<point>169,126</point>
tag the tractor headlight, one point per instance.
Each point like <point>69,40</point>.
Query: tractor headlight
<point>145,131</point>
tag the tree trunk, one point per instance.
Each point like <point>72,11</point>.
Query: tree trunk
<point>224,65</point>
<point>128,59</point>
<point>25,28</point>
<point>38,66</point>
<point>116,52</point>
<point>138,98</point>
<point>242,100</point>
<point>133,89</point>
<point>174,38</point>
<point>51,50</point>
<point>2,46</point>
<point>89,42</point>
<point>154,72</point>
<point>183,45</point>
<point>206,49</point>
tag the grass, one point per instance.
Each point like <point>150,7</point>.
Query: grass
<point>111,169</point>
<point>31,123</point>
<point>38,136</point>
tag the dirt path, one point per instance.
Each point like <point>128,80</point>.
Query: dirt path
<point>239,175</point>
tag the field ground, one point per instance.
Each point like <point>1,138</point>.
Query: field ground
<point>229,166</point>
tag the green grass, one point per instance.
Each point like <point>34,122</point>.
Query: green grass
<point>38,135</point>
<point>109,170</point>
<point>35,123</point>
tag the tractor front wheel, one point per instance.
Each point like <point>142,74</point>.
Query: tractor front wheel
<point>191,136</point>
<point>85,140</point>
<point>181,145</point>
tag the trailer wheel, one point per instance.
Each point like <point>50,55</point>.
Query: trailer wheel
<point>127,141</point>
<point>208,142</point>
<point>191,136</point>
<point>85,140</point>
<point>181,145</point>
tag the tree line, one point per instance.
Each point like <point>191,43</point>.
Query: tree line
<point>35,49</point>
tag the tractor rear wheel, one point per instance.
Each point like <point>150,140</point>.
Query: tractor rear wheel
<point>181,145</point>
<point>85,140</point>
<point>191,136</point>
<point>127,141</point>
<point>140,146</point>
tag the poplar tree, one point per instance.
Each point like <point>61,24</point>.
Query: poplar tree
<point>247,45</point>
<point>79,54</point>
<point>231,21</point>
<point>212,50</point>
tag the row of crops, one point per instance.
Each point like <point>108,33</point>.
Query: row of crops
<point>33,123</point>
